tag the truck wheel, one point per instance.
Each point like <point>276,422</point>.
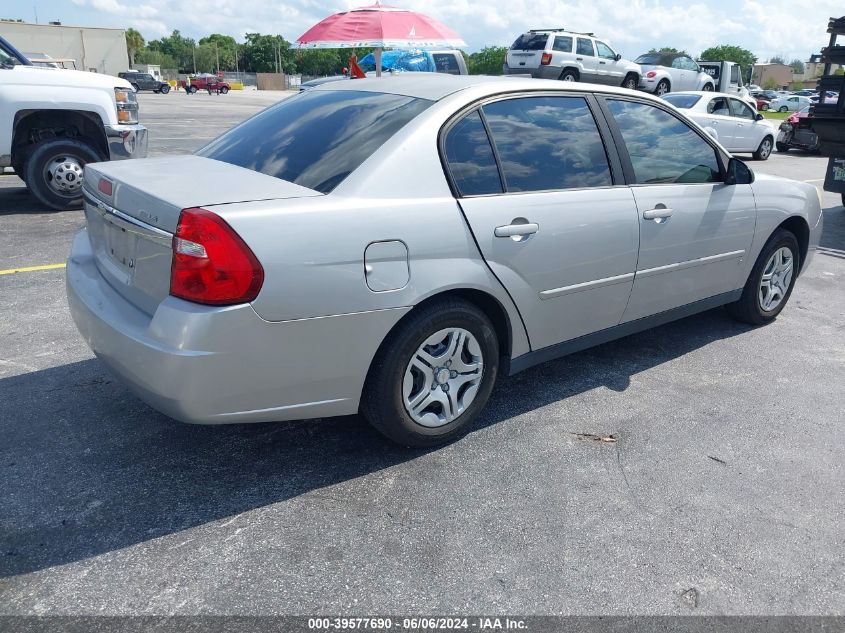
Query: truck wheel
<point>782,147</point>
<point>165,89</point>
<point>662,88</point>
<point>569,75</point>
<point>708,87</point>
<point>54,171</point>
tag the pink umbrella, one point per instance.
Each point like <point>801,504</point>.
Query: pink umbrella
<point>379,26</point>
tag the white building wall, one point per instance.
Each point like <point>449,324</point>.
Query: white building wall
<point>94,49</point>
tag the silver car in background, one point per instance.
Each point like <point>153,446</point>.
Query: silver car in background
<point>392,246</point>
<point>668,72</point>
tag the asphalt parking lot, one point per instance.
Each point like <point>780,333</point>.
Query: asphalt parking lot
<point>722,494</point>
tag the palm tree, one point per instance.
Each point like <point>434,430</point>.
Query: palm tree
<point>134,44</point>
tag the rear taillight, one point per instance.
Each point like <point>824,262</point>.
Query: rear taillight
<point>651,74</point>
<point>105,186</point>
<point>546,59</point>
<point>211,263</point>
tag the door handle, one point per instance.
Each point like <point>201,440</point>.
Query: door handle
<point>516,230</point>
<point>658,213</point>
<point>602,62</point>
<point>579,59</point>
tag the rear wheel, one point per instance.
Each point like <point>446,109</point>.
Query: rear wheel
<point>193,89</point>
<point>54,171</point>
<point>165,89</point>
<point>631,82</point>
<point>783,109</point>
<point>224,90</point>
<point>432,375</point>
<point>765,150</point>
<point>569,75</point>
<point>771,280</point>
<point>662,88</point>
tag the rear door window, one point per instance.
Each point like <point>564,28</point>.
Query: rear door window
<point>470,159</point>
<point>585,47</point>
<point>315,138</point>
<point>662,148</point>
<point>562,44</point>
<point>547,143</point>
<point>719,107</point>
<point>741,110</point>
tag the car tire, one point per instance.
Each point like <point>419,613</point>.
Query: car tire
<point>765,150</point>
<point>569,75</point>
<point>708,88</point>
<point>164,89</point>
<point>57,183</point>
<point>224,90</point>
<point>447,334</point>
<point>662,88</point>
<point>782,147</point>
<point>193,89</point>
<point>765,107</point>
<point>135,87</point>
<point>783,109</point>
<point>631,81</point>
<point>752,305</point>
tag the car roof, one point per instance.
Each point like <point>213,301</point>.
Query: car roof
<point>708,93</point>
<point>437,86</point>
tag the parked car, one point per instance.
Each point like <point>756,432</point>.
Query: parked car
<point>445,230</point>
<point>569,56</point>
<point>807,92</point>
<point>762,104</point>
<point>793,135</point>
<point>144,81</point>
<point>729,120</point>
<point>830,97</point>
<point>665,72</point>
<point>789,103</point>
<point>207,82</point>
<point>54,121</point>
<point>448,61</point>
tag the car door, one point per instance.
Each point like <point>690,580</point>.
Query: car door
<point>585,55</point>
<point>719,118</point>
<point>608,70</point>
<point>695,231</point>
<point>747,135</point>
<point>553,221</point>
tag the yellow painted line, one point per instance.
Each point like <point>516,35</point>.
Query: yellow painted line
<point>31,269</point>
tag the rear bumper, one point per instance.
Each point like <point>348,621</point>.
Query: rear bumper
<point>126,141</point>
<point>208,365</point>
<point>542,72</point>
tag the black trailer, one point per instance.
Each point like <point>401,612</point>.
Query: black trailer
<point>828,119</point>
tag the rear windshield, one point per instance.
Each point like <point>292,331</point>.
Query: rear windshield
<point>315,138</point>
<point>654,59</point>
<point>530,42</point>
<point>682,101</point>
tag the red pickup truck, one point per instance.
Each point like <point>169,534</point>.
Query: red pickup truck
<point>207,82</point>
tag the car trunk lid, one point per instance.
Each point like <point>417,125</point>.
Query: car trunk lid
<point>131,230</point>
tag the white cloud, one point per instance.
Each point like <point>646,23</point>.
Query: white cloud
<point>767,28</point>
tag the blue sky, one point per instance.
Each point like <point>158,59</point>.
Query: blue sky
<point>771,27</point>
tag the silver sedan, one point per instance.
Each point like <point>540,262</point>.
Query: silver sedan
<point>391,246</point>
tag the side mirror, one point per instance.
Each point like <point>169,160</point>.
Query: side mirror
<point>759,117</point>
<point>738,173</point>
<point>618,57</point>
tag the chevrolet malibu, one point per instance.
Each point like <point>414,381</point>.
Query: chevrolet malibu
<point>391,246</point>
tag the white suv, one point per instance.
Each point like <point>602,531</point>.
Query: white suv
<point>569,56</point>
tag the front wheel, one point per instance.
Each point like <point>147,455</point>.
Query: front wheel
<point>765,150</point>
<point>192,89</point>
<point>165,89</point>
<point>783,109</point>
<point>662,88</point>
<point>782,147</point>
<point>224,90</point>
<point>54,171</point>
<point>432,375</point>
<point>771,280</point>
<point>708,87</point>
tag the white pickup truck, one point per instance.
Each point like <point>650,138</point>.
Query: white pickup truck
<point>54,121</point>
<point>727,76</point>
